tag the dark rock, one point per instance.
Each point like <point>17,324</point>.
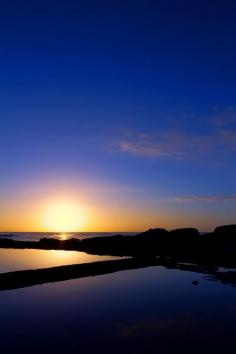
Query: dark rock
<point>154,232</point>
<point>186,232</point>
<point>225,230</point>
<point>49,243</point>
<point>195,282</point>
<point>226,235</point>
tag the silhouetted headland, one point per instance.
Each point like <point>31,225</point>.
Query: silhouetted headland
<point>218,247</point>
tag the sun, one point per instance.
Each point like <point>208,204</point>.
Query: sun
<point>63,216</point>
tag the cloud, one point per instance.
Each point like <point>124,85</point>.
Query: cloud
<point>228,137</point>
<point>225,118</point>
<point>178,145</point>
<point>202,198</point>
<point>174,144</point>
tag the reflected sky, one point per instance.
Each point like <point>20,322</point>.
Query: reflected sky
<point>14,259</point>
<point>125,312</point>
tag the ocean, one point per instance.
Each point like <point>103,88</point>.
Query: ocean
<point>36,236</point>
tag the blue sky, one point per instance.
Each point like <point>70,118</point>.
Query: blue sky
<point>134,96</point>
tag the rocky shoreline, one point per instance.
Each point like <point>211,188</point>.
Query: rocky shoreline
<point>218,247</point>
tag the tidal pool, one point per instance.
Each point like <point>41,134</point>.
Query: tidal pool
<point>150,310</point>
<point>21,259</point>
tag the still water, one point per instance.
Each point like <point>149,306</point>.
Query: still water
<point>21,259</point>
<point>151,310</point>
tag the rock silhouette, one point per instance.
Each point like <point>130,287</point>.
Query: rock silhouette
<point>226,235</point>
<point>225,230</point>
<point>218,247</point>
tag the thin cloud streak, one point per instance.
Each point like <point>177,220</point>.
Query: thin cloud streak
<point>202,198</point>
<point>179,145</point>
<point>227,118</point>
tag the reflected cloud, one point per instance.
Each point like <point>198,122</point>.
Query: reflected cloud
<point>159,327</point>
<point>186,328</point>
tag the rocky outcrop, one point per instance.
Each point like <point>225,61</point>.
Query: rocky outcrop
<point>154,233</point>
<point>226,235</point>
<point>154,242</point>
<point>186,232</point>
<point>225,230</point>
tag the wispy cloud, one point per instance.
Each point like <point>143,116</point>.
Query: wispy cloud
<point>228,138</point>
<point>201,198</point>
<point>177,144</point>
<point>172,144</point>
<point>225,118</point>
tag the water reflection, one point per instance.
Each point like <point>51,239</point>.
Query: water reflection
<point>154,309</point>
<point>21,259</point>
<point>137,311</point>
<point>27,278</point>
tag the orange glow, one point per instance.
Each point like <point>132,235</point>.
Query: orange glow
<point>90,207</point>
<point>63,216</point>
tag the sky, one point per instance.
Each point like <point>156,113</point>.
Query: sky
<point>125,108</point>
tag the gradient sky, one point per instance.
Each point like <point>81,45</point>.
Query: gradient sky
<point>126,107</point>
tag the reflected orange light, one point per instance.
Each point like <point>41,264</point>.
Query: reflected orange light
<point>63,237</point>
